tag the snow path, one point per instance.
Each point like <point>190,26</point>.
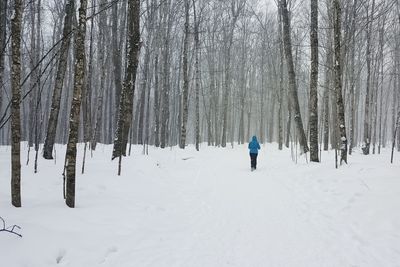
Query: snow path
<point>188,208</point>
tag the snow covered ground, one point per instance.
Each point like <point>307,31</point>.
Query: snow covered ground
<point>188,208</point>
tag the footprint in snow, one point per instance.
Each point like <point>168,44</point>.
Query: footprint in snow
<point>60,256</point>
<point>110,251</point>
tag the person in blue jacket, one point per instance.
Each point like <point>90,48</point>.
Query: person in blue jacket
<point>254,146</point>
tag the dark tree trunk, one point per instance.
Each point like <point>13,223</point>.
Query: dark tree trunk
<point>76,105</point>
<point>62,67</point>
<point>32,78</point>
<point>281,89</point>
<point>3,31</point>
<point>185,89</point>
<point>16,25</point>
<point>292,79</point>
<point>156,103</point>
<point>313,105</point>
<point>197,77</point>
<point>165,78</point>
<point>395,133</point>
<point>126,100</point>
<point>116,57</point>
<point>38,119</point>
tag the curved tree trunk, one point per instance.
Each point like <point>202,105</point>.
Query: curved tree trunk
<point>292,78</point>
<point>62,66</point>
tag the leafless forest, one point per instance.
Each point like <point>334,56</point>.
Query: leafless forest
<point>317,74</point>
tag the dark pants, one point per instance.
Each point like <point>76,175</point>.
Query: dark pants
<point>253,157</point>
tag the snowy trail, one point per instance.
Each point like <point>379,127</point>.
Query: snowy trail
<point>185,208</point>
<point>258,215</point>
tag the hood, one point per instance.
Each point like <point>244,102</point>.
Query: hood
<point>254,138</point>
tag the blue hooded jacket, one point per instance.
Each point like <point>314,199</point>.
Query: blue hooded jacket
<point>254,146</point>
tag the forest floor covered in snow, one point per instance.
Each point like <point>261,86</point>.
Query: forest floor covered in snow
<point>186,208</point>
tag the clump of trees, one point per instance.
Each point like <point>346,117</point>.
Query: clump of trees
<point>170,72</point>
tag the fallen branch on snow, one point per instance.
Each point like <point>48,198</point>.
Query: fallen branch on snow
<point>10,229</point>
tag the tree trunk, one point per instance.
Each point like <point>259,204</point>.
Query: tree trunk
<point>281,89</point>
<point>292,79</point>
<point>144,85</point>
<point>313,105</point>
<point>381,85</point>
<point>116,57</point>
<point>152,17</point>
<point>396,128</point>
<point>62,66</point>
<point>3,37</point>
<point>143,130</point>
<point>87,95</point>
<point>327,86</point>
<point>185,89</point>
<point>76,105</point>
<point>38,119</point>
<point>227,91</point>
<point>126,100</point>
<point>16,25</point>
<point>101,61</point>
<point>156,103</point>
<point>397,88</point>
<point>228,43</point>
<point>351,76</point>
<point>32,78</point>
<point>197,76</point>
<point>338,83</point>
<point>367,134</point>
<point>165,77</point>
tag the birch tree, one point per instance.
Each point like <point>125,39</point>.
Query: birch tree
<point>197,74</point>
<point>338,82</point>
<point>16,26</point>
<point>76,105</point>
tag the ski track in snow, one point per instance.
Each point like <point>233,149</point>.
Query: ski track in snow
<point>187,208</point>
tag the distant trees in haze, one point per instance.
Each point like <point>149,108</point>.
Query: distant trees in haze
<point>168,72</point>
